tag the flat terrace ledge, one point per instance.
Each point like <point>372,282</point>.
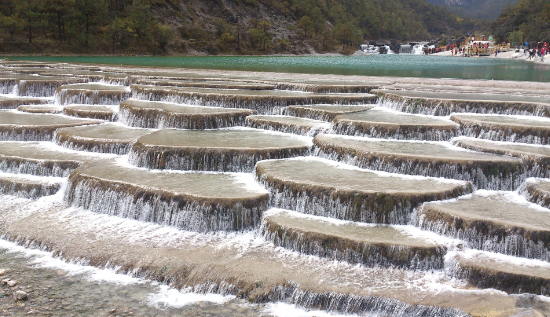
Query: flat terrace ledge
<point>380,123</point>
<point>223,150</point>
<point>159,115</point>
<point>21,126</point>
<point>536,158</point>
<point>445,103</point>
<point>217,84</point>
<point>35,86</point>
<point>491,221</point>
<point>100,112</point>
<point>537,190</point>
<point>524,129</point>
<point>263,101</point>
<point>323,112</point>
<point>28,186</point>
<point>349,193</point>
<point>12,102</point>
<point>104,138</point>
<point>436,159</point>
<point>288,124</point>
<point>371,245</point>
<point>40,158</point>
<point>195,201</point>
<point>40,108</point>
<point>91,93</point>
<point>505,273</point>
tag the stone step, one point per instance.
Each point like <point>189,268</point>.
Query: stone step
<point>217,84</point>
<point>35,86</point>
<point>435,159</point>
<point>537,190</point>
<point>223,150</point>
<point>371,245</point>
<point>288,124</point>
<point>28,186</point>
<point>22,126</point>
<point>195,201</point>
<point>100,112</point>
<point>159,115</point>
<point>524,129</point>
<point>469,89</point>
<point>41,158</point>
<point>91,93</point>
<point>505,273</point>
<point>326,188</point>
<point>383,123</point>
<point>535,158</point>
<point>112,138</point>
<point>47,108</point>
<point>12,102</point>
<point>501,222</point>
<point>445,103</point>
<point>322,111</point>
<point>263,101</point>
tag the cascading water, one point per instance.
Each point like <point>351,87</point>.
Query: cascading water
<point>210,231</point>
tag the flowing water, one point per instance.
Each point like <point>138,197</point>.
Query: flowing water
<point>182,218</point>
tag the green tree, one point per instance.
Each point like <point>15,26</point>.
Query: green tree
<point>515,37</point>
<point>306,25</point>
<point>10,24</point>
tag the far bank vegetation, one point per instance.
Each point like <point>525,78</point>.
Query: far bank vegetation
<point>216,26</point>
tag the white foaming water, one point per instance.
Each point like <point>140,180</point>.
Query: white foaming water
<point>288,310</point>
<point>411,231</point>
<point>170,297</point>
<point>44,259</point>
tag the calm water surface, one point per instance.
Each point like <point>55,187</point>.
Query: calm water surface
<point>372,65</point>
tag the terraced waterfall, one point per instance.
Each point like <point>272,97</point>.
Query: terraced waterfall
<point>350,195</point>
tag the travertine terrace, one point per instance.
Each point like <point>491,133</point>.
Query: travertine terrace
<point>372,196</point>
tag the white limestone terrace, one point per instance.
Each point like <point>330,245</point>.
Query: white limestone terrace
<point>23,126</point>
<point>513,128</point>
<point>234,149</point>
<point>349,193</point>
<point>493,221</point>
<point>381,122</point>
<point>91,93</point>
<point>436,159</point>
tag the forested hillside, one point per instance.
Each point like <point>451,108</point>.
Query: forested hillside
<point>217,26</point>
<point>478,9</point>
<point>528,20</point>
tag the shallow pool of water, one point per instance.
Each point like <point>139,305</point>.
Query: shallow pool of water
<point>372,65</point>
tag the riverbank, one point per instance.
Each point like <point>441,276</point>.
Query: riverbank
<point>511,55</point>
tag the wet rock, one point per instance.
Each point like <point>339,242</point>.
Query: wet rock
<point>22,126</point>
<point>523,129</point>
<point>21,295</point>
<point>323,112</point>
<point>288,124</point>
<point>223,150</point>
<point>445,103</point>
<point>496,222</point>
<point>11,283</point>
<point>382,123</point>
<point>161,115</point>
<point>346,192</point>
<point>436,159</point>
<point>104,138</point>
